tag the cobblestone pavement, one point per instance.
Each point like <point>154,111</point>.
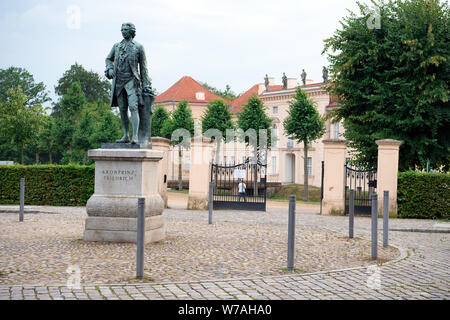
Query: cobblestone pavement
<point>422,272</point>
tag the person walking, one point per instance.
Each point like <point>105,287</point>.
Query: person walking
<point>241,191</point>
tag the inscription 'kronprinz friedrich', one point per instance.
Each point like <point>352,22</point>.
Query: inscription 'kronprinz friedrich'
<point>118,175</point>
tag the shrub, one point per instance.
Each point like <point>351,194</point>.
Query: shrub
<point>54,185</point>
<point>423,195</point>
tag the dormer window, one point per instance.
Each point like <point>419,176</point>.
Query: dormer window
<point>200,95</point>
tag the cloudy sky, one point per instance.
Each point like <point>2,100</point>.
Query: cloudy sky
<point>233,42</point>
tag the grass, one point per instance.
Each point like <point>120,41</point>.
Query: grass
<point>296,270</point>
<point>299,192</point>
<point>136,280</point>
<point>186,191</point>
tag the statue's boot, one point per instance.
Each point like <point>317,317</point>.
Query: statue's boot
<point>135,124</point>
<point>125,126</point>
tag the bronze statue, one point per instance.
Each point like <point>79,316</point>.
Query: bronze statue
<point>266,82</point>
<point>325,74</point>
<point>284,79</point>
<point>131,86</point>
<point>303,75</point>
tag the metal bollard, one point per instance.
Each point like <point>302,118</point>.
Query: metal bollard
<point>210,203</point>
<point>140,239</point>
<point>291,233</point>
<point>351,213</point>
<point>385,219</point>
<point>374,226</point>
<point>22,198</point>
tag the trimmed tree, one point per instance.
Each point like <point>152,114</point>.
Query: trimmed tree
<point>393,81</point>
<point>181,118</point>
<point>305,125</point>
<point>253,116</point>
<point>217,116</point>
<point>160,115</point>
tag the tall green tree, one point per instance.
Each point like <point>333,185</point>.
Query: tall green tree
<point>71,106</point>
<point>94,86</point>
<point>160,115</point>
<point>392,80</point>
<point>305,125</point>
<point>217,116</point>
<point>18,122</point>
<point>181,118</point>
<point>82,138</point>
<point>14,77</point>
<point>253,116</point>
<point>47,137</point>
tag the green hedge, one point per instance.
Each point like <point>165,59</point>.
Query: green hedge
<point>54,185</point>
<point>423,195</point>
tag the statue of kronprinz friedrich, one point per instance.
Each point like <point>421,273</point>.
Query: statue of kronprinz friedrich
<point>131,86</point>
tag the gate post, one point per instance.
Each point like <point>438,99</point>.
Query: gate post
<point>334,178</point>
<point>387,170</point>
<point>199,175</point>
<point>162,144</point>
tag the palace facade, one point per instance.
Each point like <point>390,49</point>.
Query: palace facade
<point>285,159</point>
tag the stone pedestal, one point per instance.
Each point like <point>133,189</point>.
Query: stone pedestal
<point>387,170</point>
<point>121,177</point>
<point>334,176</point>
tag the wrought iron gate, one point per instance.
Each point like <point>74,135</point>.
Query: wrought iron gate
<point>226,178</point>
<point>364,182</point>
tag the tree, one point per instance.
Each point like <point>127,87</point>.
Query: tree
<point>14,77</point>
<point>227,94</point>
<point>94,86</point>
<point>305,125</point>
<point>17,121</point>
<point>181,118</point>
<point>217,116</point>
<point>392,81</point>
<point>47,137</point>
<point>84,132</point>
<point>253,116</point>
<point>160,115</point>
<point>71,106</point>
<point>109,128</point>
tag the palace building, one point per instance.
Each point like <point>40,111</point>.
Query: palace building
<point>285,159</point>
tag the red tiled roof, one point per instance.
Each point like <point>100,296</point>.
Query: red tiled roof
<point>243,98</point>
<point>185,89</point>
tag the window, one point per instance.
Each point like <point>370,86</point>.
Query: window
<point>336,130</point>
<point>290,143</point>
<point>274,165</point>
<point>225,160</point>
<point>232,160</point>
<point>187,164</point>
<point>274,136</point>
<point>309,165</point>
<point>275,109</point>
